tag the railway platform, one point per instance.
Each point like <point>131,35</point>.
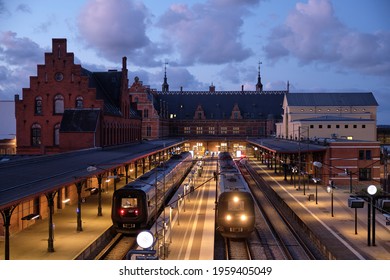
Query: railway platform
<point>190,234</point>
<point>189,239</point>
<point>32,243</point>
<point>337,231</point>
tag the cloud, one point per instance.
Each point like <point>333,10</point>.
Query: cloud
<point>115,28</point>
<point>19,58</point>
<point>208,33</point>
<point>312,33</point>
<point>24,8</point>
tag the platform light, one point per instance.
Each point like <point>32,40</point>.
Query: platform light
<point>66,200</point>
<point>30,217</point>
<point>145,239</point>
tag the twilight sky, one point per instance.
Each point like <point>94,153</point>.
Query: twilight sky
<point>316,45</point>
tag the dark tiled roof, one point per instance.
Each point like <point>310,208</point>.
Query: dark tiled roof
<point>108,88</point>
<point>331,99</point>
<point>80,120</point>
<point>219,105</point>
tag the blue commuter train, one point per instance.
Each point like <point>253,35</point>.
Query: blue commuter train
<point>135,206</point>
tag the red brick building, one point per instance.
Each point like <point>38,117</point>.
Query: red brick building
<point>68,107</point>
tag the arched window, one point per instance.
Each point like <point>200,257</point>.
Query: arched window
<point>57,134</point>
<point>38,105</point>
<point>58,104</point>
<point>36,135</point>
<point>79,102</point>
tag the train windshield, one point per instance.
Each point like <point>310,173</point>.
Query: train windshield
<point>236,204</point>
<point>129,202</point>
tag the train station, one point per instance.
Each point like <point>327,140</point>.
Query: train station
<point>312,162</point>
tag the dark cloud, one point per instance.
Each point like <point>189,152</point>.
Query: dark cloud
<point>21,56</point>
<point>207,33</point>
<point>19,51</point>
<point>312,33</point>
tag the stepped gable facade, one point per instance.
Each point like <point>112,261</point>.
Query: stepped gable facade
<point>68,107</point>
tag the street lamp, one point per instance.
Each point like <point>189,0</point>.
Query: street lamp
<point>294,170</point>
<point>316,180</point>
<point>330,189</point>
<point>372,190</point>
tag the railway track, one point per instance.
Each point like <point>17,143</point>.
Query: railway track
<point>278,237</point>
<point>117,248</point>
<point>237,249</point>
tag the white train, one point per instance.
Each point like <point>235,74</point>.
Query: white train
<point>235,211</point>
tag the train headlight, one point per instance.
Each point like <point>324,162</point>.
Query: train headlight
<point>228,218</point>
<point>244,217</point>
<point>235,199</point>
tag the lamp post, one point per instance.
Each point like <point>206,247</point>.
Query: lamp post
<point>371,191</point>
<point>349,173</point>
<point>330,189</point>
<point>316,180</point>
<point>294,170</point>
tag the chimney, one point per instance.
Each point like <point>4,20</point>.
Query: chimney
<point>212,88</point>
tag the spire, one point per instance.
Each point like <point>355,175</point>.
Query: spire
<point>165,86</point>
<point>288,86</point>
<point>259,85</point>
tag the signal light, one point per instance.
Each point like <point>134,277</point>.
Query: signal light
<point>136,212</point>
<point>122,212</point>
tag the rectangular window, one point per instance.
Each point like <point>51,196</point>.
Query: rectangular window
<point>187,130</point>
<point>320,126</point>
<point>365,174</point>
<point>148,131</point>
<point>329,126</point>
<point>211,130</point>
<point>199,130</point>
<point>363,126</point>
<point>361,154</point>
<point>354,126</point>
<point>337,126</point>
<point>346,126</point>
<point>236,130</point>
<point>365,155</point>
<point>223,130</point>
<point>311,126</point>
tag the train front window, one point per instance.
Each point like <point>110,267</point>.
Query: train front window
<point>236,204</point>
<point>129,202</point>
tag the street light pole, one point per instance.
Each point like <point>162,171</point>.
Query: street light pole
<point>371,191</point>
<point>317,165</point>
